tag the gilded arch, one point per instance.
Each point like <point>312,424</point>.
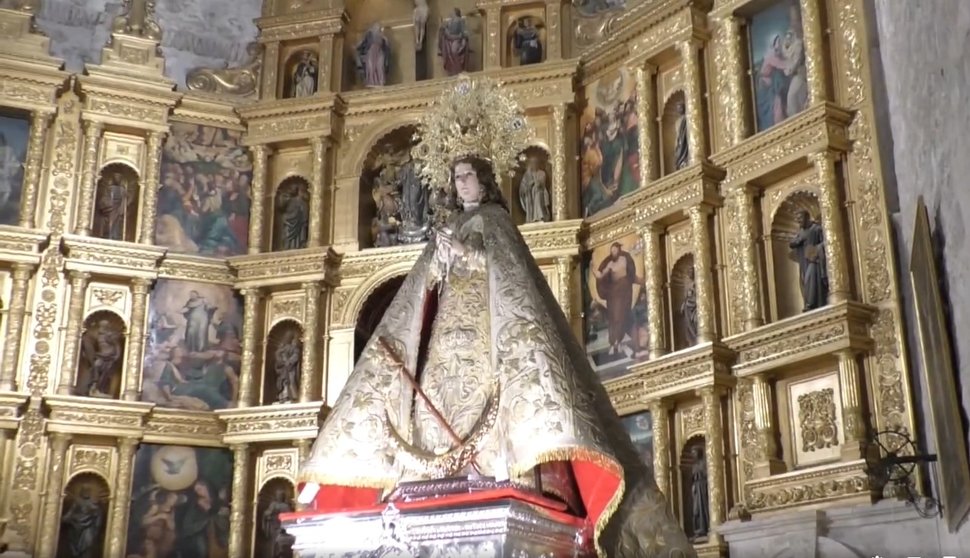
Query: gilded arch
<point>366,288</point>
<point>361,146</point>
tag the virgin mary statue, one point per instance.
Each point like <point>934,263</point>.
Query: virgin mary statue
<point>503,389</point>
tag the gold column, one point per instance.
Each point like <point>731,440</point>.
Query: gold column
<point>661,446</point>
<point>325,64</point>
<point>832,228</point>
<point>72,332</point>
<point>271,61</point>
<point>553,30</point>
<point>311,323</point>
<point>149,190</point>
<point>49,524</point>
<point>315,237</point>
<point>15,325</point>
<point>852,416</point>
<point>653,256</point>
<point>703,272</point>
<point>260,154</point>
<point>767,462</point>
<point>560,211</point>
<point>693,101</point>
<point>730,80</point>
<point>89,175</point>
<point>237,514</point>
<point>32,168</point>
<point>744,196</point>
<point>645,109</point>
<point>247,367</point>
<point>303,447</point>
<point>136,337</point>
<point>122,499</point>
<point>714,452</point>
<point>813,39</point>
<point>564,276</point>
<point>493,37</point>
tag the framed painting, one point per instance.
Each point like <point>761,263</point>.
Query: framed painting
<point>939,375</point>
<point>640,428</point>
<point>590,8</point>
<point>14,134</point>
<point>778,72</point>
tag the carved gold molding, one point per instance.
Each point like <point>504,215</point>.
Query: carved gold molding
<point>187,267</point>
<point>91,417</point>
<point>272,423</point>
<point>827,483</point>
<point>104,257</point>
<point>313,264</point>
<point>179,426</point>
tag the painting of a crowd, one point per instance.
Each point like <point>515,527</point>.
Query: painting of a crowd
<point>193,352</point>
<point>609,149</point>
<point>13,153</point>
<point>778,63</point>
<point>203,198</point>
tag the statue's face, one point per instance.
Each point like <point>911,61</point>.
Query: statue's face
<point>466,182</point>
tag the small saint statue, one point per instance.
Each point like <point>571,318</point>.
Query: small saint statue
<point>527,42</point>
<point>700,506</point>
<point>81,525</point>
<point>273,534</point>
<point>414,205</point>
<point>293,213</point>
<point>101,352</point>
<point>453,43</point>
<point>681,148</point>
<point>534,193</point>
<point>688,308</point>
<point>373,56</point>
<point>304,83</point>
<point>808,249</point>
<point>288,361</point>
<point>112,206</point>
<point>420,21</point>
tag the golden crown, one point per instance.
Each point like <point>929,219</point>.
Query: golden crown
<point>477,117</point>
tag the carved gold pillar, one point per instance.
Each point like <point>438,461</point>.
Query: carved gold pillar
<point>89,175</point>
<point>730,80</point>
<point>15,325</point>
<point>832,227</point>
<point>853,421</point>
<point>237,514</point>
<point>659,414</point>
<point>813,40</point>
<point>303,447</point>
<point>311,323</point>
<point>149,190</point>
<point>564,276</point>
<point>72,332</point>
<point>317,186</point>
<point>32,168</point>
<point>703,272</point>
<point>653,256</point>
<point>49,524</point>
<point>645,110</point>
<point>271,61</point>
<point>560,210</point>
<point>766,462</point>
<point>553,30</point>
<point>714,452</point>
<point>247,367</point>
<point>136,337</point>
<point>260,154</point>
<point>693,101</point>
<point>493,37</point>
<point>744,197</point>
<point>325,64</point>
<point>122,498</point>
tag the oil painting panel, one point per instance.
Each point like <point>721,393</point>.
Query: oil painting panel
<point>203,198</point>
<point>778,63</point>
<point>193,352</point>
<point>14,134</point>
<point>640,428</point>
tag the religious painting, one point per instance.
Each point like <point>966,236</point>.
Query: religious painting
<point>84,516</point>
<point>203,198</point>
<point>596,7</point>
<point>14,134</point>
<point>778,63</point>
<point>193,351</point>
<point>615,307</point>
<point>180,502</point>
<point>609,150</point>
<point>640,428</point>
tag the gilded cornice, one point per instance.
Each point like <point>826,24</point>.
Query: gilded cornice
<point>23,86</point>
<point>290,119</point>
<point>176,426</point>
<point>272,423</point>
<point>551,240</point>
<point>188,267</point>
<point>804,337</point>
<point>357,266</point>
<point>727,7</point>
<point>112,96</point>
<point>96,417</point>
<point>11,407</point>
<point>838,481</point>
<point>21,246</point>
<point>208,110</point>
<point>292,266</point>
<point>301,25</point>
<point>108,257</point>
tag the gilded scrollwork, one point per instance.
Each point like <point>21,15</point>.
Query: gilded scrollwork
<point>818,423</point>
<point>238,82</point>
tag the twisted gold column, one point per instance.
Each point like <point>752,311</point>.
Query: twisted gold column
<point>311,323</point>
<point>766,462</point>
<point>832,227</point>
<point>688,50</point>
<point>553,29</point>
<point>560,211</point>
<point>15,326</point>
<point>653,268</point>
<point>149,189</point>
<point>317,186</point>
<point>714,452</point>
<point>260,154</point>
<point>645,110</point>
<point>493,37</point>
<point>564,276</point>
<point>237,513</point>
<point>247,367</point>
<point>813,41</point>
<point>89,175</point>
<point>32,168</point>
<point>703,272</point>
<point>49,524</point>
<point>744,197</point>
<point>325,80</point>
<point>136,337</point>
<point>730,80</point>
<point>853,421</point>
<point>122,498</point>
<point>661,446</point>
<point>72,332</point>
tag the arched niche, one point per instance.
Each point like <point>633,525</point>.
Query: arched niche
<point>275,497</point>
<point>673,133</point>
<point>373,310</point>
<point>694,488</point>
<point>301,74</point>
<point>283,363</point>
<point>116,203</point>
<point>102,355</point>
<point>391,207</point>
<point>683,303</point>
<point>523,31</point>
<point>291,214</point>
<point>534,159</point>
<point>785,262</point>
<point>84,514</point>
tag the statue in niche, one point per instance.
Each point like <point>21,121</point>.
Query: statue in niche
<point>420,20</point>
<point>688,308</point>
<point>700,506</point>
<point>681,147</point>
<point>304,80</point>
<point>288,361</point>
<point>111,208</point>
<point>414,204</point>
<point>101,353</point>
<point>82,525</point>
<point>534,193</point>
<point>273,533</point>
<point>453,43</point>
<point>293,216</point>
<point>527,42</point>
<point>373,56</point>
<point>386,191</point>
<point>808,248</point>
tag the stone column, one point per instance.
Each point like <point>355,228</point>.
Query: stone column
<point>714,453</point>
<point>317,186</point>
<point>564,290</point>
<point>149,188</point>
<point>15,325</point>
<point>72,332</point>
<point>33,164</point>
<point>311,323</point>
<point>257,197</point>
<point>645,110</point>
<point>237,514</point>
<point>136,337</point>
<point>703,272</point>
<point>853,421</point>
<point>731,81</point>
<point>247,367</point>
<point>813,39</point>
<point>89,177</point>
<point>271,61</point>
<point>122,499</point>
<point>49,523</point>
<point>553,30</point>
<point>652,258</point>
<point>832,227</point>
<point>560,211</point>
<point>767,462</point>
<point>493,37</point>
<point>693,101</point>
<point>659,414</point>
<point>744,197</point>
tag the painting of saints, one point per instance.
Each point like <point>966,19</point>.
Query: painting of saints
<point>203,198</point>
<point>609,148</point>
<point>778,63</point>
<point>180,502</point>
<point>596,7</point>
<point>640,429</point>
<point>13,152</point>
<point>193,353</point>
